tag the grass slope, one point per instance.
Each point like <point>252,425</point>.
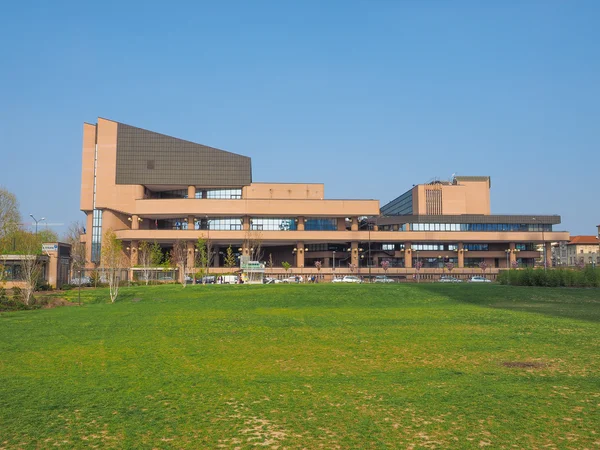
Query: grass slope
<point>305,366</point>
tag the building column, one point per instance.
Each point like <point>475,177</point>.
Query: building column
<point>548,254</point>
<point>341,224</point>
<point>245,223</point>
<point>216,258</point>
<point>513,254</point>
<point>135,222</point>
<point>327,262</point>
<point>300,254</point>
<point>133,255</point>
<point>408,255</point>
<point>191,222</point>
<point>300,226</point>
<point>191,256</point>
<point>461,255</point>
<point>354,252</point>
<point>191,191</point>
<point>354,224</point>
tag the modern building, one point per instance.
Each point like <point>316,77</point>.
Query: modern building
<point>443,222</point>
<point>150,187</point>
<point>54,265</point>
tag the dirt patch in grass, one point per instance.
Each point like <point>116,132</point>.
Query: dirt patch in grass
<point>55,302</point>
<point>524,364</point>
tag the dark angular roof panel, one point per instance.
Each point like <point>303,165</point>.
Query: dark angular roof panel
<point>146,157</point>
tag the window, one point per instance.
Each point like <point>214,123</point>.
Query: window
<point>320,224</point>
<point>273,223</point>
<point>387,247</point>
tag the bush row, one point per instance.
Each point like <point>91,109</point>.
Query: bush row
<point>587,277</point>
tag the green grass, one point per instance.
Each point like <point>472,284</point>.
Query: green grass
<point>305,366</point>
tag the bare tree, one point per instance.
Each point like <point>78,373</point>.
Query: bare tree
<point>9,213</point>
<point>179,259</point>
<point>205,255</point>
<point>73,237</point>
<point>145,260</point>
<point>112,262</point>
<point>31,266</point>
<point>253,242</point>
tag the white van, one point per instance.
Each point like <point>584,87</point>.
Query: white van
<point>229,279</point>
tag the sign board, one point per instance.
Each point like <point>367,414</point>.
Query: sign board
<point>49,248</point>
<point>252,266</point>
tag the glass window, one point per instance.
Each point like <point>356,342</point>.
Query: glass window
<point>320,224</point>
<point>273,223</point>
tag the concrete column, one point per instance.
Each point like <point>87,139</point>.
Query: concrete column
<point>341,224</point>
<point>190,256</point>
<point>300,254</point>
<point>326,262</point>
<point>191,191</point>
<point>354,225</point>
<point>407,255</point>
<point>300,226</point>
<point>191,224</point>
<point>354,252</point>
<point>461,255</point>
<point>245,223</point>
<point>139,192</point>
<point>216,258</point>
<point>135,223</point>
<point>375,227</point>
<point>133,255</point>
<point>549,254</point>
<point>513,254</point>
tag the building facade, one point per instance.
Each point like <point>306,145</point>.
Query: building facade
<point>582,250</point>
<point>150,187</point>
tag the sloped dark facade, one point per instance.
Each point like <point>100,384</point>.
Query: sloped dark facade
<point>148,158</point>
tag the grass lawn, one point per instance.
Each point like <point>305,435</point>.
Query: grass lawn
<point>305,366</point>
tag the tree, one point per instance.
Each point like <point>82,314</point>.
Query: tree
<point>230,261</point>
<point>145,260</point>
<point>31,265</point>
<point>253,242</point>
<point>9,213</point>
<point>318,267</point>
<point>73,237</point>
<point>270,263</point>
<point>179,259</point>
<point>112,262</point>
<point>418,266</point>
<point>205,255</point>
<point>449,266</point>
<point>483,266</point>
<point>286,266</point>
<point>385,265</point>
<point>352,267</point>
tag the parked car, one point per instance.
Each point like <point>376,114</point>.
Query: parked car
<point>351,279</point>
<point>83,281</point>
<point>383,279</point>
<point>269,280</point>
<point>449,279</point>
<point>478,279</point>
<point>293,279</point>
<point>229,279</point>
<point>337,280</point>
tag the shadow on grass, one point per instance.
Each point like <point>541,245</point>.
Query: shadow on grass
<point>572,303</point>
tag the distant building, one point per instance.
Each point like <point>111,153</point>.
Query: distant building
<point>583,249</point>
<point>451,221</point>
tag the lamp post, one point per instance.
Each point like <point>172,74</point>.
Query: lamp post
<point>333,267</point>
<point>507,257</point>
<point>36,221</point>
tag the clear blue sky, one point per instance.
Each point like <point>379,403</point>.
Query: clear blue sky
<point>368,97</point>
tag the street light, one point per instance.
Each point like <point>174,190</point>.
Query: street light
<point>333,267</point>
<point>36,221</point>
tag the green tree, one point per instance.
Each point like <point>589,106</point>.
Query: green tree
<point>9,213</point>
<point>230,261</point>
<point>286,266</point>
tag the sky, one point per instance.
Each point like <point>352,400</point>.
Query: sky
<point>368,97</point>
